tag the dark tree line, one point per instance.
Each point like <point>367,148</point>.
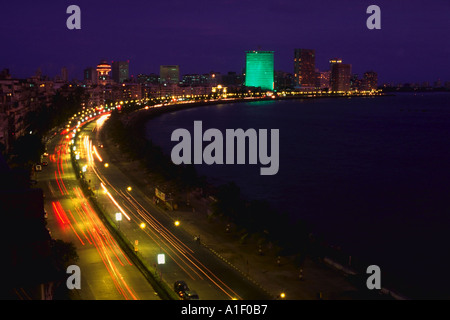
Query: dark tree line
<point>133,142</point>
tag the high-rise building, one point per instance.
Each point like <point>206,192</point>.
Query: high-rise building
<point>259,69</point>
<point>370,80</point>
<point>64,74</point>
<point>323,80</point>
<point>120,71</point>
<point>340,75</point>
<point>169,74</point>
<point>103,70</point>
<point>90,75</point>
<point>305,68</point>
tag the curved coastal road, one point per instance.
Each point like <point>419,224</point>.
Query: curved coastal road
<point>185,259</point>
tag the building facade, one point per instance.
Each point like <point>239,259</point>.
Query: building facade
<point>305,68</point>
<point>370,81</point>
<point>120,71</point>
<point>90,75</point>
<point>169,74</point>
<point>259,69</point>
<point>103,70</point>
<point>340,75</point>
<point>323,80</point>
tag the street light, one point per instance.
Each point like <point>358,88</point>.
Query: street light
<point>142,225</point>
<point>177,223</point>
<point>129,189</point>
<point>106,165</point>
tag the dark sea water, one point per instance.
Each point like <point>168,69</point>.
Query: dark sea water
<point>370,174</point>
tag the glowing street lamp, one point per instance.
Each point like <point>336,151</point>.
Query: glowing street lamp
<point>142,225</point>
<point>129,189</point>
<point>177,223</point>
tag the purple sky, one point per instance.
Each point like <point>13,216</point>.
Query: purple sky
<point>204,35</point>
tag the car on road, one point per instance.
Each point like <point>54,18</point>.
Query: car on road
<point>180,287</point>
<point>190,295</point>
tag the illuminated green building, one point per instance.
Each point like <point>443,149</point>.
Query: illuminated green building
<point>259,69</point>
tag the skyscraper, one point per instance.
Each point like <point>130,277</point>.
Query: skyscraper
<point>259,70</point>
<point>169,74</point>
<point>305,68</point>
<point>120,71</point>
<point>340,75</point>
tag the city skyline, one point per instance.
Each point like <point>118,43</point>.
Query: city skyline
<point>214,39</point>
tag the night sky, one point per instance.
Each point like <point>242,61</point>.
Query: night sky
<point>413,44</point>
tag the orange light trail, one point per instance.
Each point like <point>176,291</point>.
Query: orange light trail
<point>97,155</point>
<point>115,202</point>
